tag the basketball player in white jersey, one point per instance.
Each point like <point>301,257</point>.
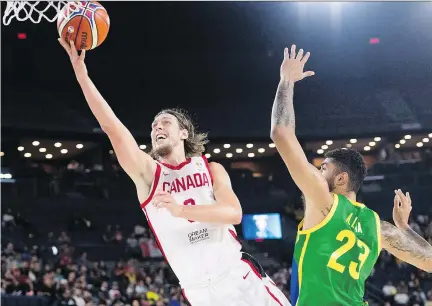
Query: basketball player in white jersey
<point>189,204</point>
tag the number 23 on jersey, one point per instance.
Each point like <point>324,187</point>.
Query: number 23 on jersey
<point>349,240</point>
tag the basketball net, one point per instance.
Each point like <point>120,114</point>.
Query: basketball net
<point>35,11</point>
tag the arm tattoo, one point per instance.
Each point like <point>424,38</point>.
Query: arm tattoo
<point>406,240</point>
<point>326,211</point>
<point>283,108</point>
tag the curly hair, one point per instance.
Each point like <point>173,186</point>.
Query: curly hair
<point>351,162</point>
<point>194,144</point>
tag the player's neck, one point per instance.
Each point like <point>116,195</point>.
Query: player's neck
<point>352,196</point>
<point>174,158</point>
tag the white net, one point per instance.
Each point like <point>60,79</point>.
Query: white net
<point>36,11</point>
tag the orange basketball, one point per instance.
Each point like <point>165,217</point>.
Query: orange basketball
<point>87,25</point>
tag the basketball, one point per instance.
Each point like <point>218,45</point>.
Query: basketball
<point>87,25</point>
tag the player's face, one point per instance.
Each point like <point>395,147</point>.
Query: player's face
<point>166,134</point>
<point>328,170</point>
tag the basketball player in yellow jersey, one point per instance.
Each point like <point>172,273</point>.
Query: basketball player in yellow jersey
<point>339,240</point>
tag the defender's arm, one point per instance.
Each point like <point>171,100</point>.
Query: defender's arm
<point>407,245</point>
<point>401,240</point>
<point>306,176</point>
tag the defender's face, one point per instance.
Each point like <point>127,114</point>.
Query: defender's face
<point>166,134</point>
<point>328,170</point>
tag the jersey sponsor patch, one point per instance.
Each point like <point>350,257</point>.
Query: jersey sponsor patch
<point>197,236</point>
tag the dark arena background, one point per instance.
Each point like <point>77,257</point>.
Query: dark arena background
<point>72,229</point>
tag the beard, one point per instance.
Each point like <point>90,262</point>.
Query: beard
<point>331,184</point>
<point>163,150</point>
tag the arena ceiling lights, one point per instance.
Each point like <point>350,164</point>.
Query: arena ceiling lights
<point>41,149</point>
<point>370,144</point>
<point>412,141</point>
<point>240,150</point>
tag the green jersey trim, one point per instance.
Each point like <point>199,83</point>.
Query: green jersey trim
<point>300,266</point>
<point>378,225</point>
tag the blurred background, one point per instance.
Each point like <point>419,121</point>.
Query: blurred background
<point>72,229</point>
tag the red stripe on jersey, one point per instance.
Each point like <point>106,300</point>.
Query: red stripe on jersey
<point>155,184</point>
<point>184,295</point>
<point>273,296</point>
<point>234,235</point>
<point>178,167</point>
<point>208,168</point>
<point>144,204</point>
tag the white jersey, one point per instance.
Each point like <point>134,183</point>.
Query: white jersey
<point>194,250</point>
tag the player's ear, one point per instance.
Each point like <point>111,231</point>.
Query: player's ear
<point>342,179</point>
<point>184,134</point>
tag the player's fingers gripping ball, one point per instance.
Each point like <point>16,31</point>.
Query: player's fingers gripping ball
<point>87,24</point>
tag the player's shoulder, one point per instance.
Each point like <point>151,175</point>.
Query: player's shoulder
<point>218,173</point>
<point>214,166</point>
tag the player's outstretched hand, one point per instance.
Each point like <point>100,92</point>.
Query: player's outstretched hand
<point>402,209</point>
<point>293,65</point>
<point>163,199</point>
<point>76,60</point>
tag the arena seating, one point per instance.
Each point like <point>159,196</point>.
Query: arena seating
<point>75,239</point>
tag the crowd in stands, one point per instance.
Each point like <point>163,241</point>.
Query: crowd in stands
<point>145,279</point>
<point>55,267</point>
<point>68,280</point>
<point>401,283</point>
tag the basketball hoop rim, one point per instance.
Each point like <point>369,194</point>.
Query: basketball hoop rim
<point>14,10</point>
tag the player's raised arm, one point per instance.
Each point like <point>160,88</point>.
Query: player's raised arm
<point>136,163</point>
<point>306,176</point>
<point>401,240</point>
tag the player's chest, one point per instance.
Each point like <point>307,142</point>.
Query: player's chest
<point>177,183</point>
<point>190,182</point>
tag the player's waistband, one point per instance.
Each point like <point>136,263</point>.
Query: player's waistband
<point>252,261</point>
<point>210,279</point>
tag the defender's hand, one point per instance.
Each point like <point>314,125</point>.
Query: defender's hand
<point>402,209</point>
<point>76,60</point>
<point>293,65</point>
<point>163,199</point>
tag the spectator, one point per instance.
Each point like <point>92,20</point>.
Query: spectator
<point>78,297</point>
<point>107,236</point>
<point>9,251</point>
<point>139,231</point>
<point>401,297</point>
<point>66,299</point>
<point>8,220</point>
<point>118,236</point>
<point>63,238</point>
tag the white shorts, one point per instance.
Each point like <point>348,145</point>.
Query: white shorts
<point>242,285</point>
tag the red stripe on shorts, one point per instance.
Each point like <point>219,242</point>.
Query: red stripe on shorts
<point>273,296</point>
